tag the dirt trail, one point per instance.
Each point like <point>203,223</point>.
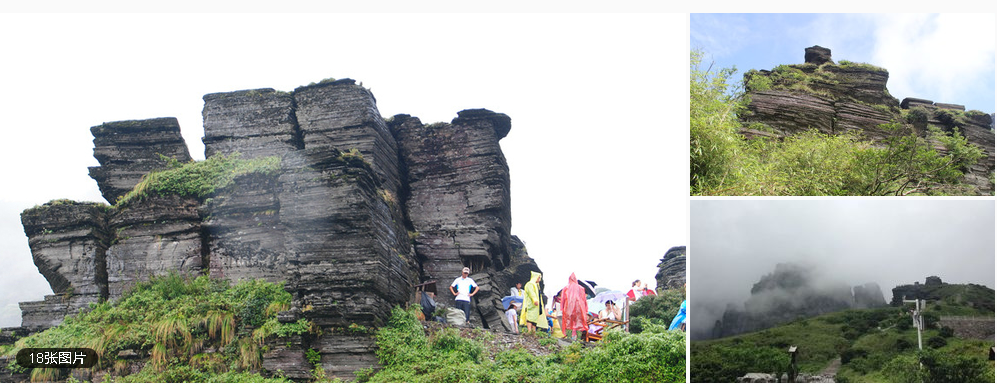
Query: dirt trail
<point>832,368</point>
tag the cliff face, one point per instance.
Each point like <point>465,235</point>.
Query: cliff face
<point>359,211</point>
<point>836,98</point>
<point>671,269</point>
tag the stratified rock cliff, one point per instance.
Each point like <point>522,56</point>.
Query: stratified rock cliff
<point>355,212</point>
<point>127,150</point>
<point>843,97</point>
<point>671,269</point>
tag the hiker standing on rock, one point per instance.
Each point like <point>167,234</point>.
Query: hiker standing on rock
<point>573,308</point>
<point>463,285</point>
<point>533,307</point>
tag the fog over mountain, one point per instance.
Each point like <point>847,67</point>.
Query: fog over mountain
<point>844,243</point>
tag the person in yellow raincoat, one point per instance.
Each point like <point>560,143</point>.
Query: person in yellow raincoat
<point>533,315</point>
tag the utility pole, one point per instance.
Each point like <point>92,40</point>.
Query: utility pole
<point>918,319</point>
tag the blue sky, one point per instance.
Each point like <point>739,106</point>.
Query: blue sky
<point>946,58</point>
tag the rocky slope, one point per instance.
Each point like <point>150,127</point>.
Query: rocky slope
<point>836,98</point>
<point>358,211</point>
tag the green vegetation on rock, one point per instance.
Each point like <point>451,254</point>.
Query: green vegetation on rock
<point>200,179</point>
<point>723,162</point>
<point>192,330</point>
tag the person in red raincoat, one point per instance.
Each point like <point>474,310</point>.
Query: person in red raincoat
<point>573,308</point>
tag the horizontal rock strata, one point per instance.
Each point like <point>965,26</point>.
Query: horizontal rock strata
<point>127,150</point>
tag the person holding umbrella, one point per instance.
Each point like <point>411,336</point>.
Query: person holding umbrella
<point>533,315</point>
<point>573,308</point>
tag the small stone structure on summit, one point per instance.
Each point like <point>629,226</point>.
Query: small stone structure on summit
<point>349,235</point>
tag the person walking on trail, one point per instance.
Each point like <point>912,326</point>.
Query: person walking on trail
<point>533,315</point>
<point>573,308</point>
<point>461,288</point>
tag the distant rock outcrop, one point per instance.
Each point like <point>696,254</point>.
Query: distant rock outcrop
<point>358,211</point>
<point>671,269</point>
<point>868,295</point>
<point>836,98</point>
<point>792,292</point>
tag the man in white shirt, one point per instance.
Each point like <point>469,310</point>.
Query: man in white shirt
<point>516,291</point>
<point>461,288</point>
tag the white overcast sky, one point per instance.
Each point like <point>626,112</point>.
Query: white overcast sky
<point>597,151</point>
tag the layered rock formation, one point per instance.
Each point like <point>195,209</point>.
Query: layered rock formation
<point>850,97</point>
<point>127,150</point>
<point>789,293</point>
<point>671,269</point>
<point>358,211</point>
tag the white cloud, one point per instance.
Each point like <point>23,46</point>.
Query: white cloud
<point>943,57</point>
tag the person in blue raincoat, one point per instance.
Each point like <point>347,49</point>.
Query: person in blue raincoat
<point>679,320</point>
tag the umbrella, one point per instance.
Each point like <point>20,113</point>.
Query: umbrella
<point>589,286</point>
<point>599,301</point>
<point>508,300</point>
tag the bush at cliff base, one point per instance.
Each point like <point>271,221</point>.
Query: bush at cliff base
<point>657,309</point>
<point>407,354</point>
<point>193,330</point>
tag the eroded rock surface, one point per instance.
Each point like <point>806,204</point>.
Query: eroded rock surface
<point>255,123</point>
<point>127,150</point>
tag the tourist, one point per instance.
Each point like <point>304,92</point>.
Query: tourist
<point>638,290</point>
<point>510,314</point>
<point>516,291</point>
<point>611,312</point>
<point>461,288</point>
<point>573,308</point>
<point>533,315</point>
<point>679,321</point>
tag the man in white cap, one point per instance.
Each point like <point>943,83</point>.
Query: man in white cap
<point>461,287</point>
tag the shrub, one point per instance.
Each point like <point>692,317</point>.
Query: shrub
<point>724,364</point>
<point>945,332</point>
<point>852,353</point>
<point>174,319</point>
<point>659,309</point>
<point>936,342</point>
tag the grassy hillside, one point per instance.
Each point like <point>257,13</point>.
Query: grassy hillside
<point>190,330</point>
<point>874,345</point>
<point>410,353</point>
